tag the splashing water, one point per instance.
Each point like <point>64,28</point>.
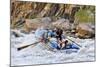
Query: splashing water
<point>41,55</point>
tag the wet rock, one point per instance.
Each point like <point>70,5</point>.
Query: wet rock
<point>85,30</point>
<point>16,33</point>
<point>33,24</point>
<point>62,23</point>
<point>46,20</point>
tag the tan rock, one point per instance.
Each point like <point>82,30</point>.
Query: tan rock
<point>33,24</point>
<point>85,30</point>
<point>64,24</point>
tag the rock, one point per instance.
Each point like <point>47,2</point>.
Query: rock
<point>62,23</point>
<point>61,20</point>
<point>46,20</point>
<point>33,24</point>
<point>20,21</point>
<point>85,30</point>
<point>17,22</point>
<point>16,33</point>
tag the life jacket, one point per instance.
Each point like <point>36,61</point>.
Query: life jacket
<point>39,33</point>
<point>53,43</point>
<point>51,33</point>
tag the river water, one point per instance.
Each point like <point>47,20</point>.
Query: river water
<point>41,55</point>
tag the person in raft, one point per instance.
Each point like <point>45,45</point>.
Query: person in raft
<point>54,38</point>
<point>57,39</point>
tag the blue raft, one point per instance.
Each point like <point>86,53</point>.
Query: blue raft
<point>72,47</point>
<point>69,46</point>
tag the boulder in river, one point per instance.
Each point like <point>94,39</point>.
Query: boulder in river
<point>85,30</point>
<point>46,20</point>
<point>33,24</point>
<point>63,24</point>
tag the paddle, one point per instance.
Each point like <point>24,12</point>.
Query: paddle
<point>22,47</point>
<point>74,42</point>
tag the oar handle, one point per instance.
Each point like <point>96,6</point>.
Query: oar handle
<point>20,48</point>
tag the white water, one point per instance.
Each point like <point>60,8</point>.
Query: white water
<point>40,55</point>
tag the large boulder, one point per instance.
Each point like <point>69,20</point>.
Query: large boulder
<point>63,24</point>
<point>46,20</point>
<point>85,30</point>
<point>33,24</point>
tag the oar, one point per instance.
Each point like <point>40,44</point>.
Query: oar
<point>22,47</point>
<point>74,42</point>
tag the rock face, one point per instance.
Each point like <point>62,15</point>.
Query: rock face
<point>85,30</point>
<point>62,23</point>
<point>31,10</point>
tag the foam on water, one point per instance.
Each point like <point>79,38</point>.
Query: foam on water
<point>41,55</point>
